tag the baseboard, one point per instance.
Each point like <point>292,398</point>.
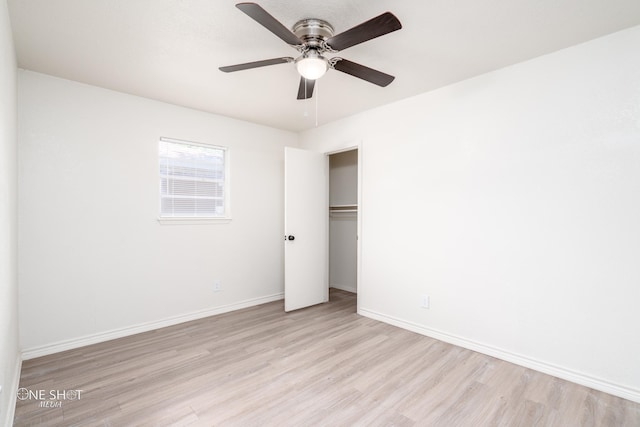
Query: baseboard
<point>12,389</point>
<point>518,359</point>
<point>347,288</point>
<point>32,353</point>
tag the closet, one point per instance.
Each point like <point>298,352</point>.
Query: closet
<point>343,220</point>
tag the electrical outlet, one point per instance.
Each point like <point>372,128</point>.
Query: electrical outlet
<point>217,287</point>
<point>424,301</point>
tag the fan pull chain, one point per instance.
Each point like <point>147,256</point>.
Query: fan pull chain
<point>306,104</point>
<point>317,96</point>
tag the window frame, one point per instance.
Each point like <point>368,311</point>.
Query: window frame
<point>226,218</point>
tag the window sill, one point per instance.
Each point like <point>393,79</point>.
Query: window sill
<point>193,221</point>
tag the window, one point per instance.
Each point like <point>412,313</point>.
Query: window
<point>193,181</point>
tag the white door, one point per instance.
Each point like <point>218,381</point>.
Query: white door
<point>305,225</point>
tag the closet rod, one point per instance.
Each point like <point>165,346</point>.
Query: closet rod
<point>343,207</point>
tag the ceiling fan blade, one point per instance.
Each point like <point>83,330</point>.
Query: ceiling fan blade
<point>263,18</point>
<point>375,27</point>
<point>365,73</point>
<point>256,64</point>
<point>305,90</point>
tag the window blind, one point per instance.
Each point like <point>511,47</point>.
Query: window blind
<point>192,180</point>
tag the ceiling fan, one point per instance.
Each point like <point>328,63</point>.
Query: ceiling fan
<point>313,38</point>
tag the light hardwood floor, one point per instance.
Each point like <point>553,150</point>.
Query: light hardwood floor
<point>321,366</point>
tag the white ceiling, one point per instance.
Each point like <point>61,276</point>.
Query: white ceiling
<point>170,50</point>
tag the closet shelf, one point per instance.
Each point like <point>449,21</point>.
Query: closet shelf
<point>343,208</point>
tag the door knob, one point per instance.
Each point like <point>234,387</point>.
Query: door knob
<point>291,237</point>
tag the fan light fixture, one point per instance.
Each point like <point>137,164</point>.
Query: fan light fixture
<point>312,38</point>
<point>312,65</point>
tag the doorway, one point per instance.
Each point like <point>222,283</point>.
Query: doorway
<point>343,220</point>
<point>317,194</point>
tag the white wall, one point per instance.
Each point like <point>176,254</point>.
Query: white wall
<point>9,353</point>
<point>94,261</point>
<point>513,200</point>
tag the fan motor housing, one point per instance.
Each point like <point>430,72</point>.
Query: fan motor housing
<point>313,31</point>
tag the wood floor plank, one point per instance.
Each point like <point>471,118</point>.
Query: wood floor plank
<point>323,365</point>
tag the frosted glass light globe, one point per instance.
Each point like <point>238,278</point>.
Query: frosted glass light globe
<point>312,66</point>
